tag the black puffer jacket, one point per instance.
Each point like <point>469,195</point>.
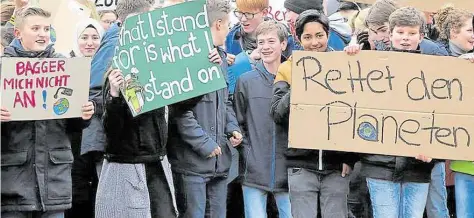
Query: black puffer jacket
<point>140,139</point>
<point>36,156</point>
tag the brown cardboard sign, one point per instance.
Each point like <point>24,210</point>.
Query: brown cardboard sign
<point>383,103</point>
<point>430,5</point>
<point>41,89</point>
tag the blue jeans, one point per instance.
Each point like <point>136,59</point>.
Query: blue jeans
<point>36,214</point>
<point>192,193</point>
<point>396,199</point>
<point>437,203</point>
<point>255,201</point>
<point>464,189</point>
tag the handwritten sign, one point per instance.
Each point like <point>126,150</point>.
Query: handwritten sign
<point>431,5</point>
<point>276,11</point>
<point>164,57</point>
<point>108,5</point>
<point>383,103</point>
<point>41,89</point>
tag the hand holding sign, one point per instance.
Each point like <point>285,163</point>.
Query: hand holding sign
<point>5,115</point>
<point>115,81</point>
<point>87,111</point>
<point>469,57</point>
<point>214,57</point>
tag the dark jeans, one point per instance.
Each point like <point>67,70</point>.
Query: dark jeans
<point>161,201</point>
<point>309,188</point>
<point>192,193</point>
<point>36,214</point>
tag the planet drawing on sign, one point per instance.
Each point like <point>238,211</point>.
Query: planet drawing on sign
<point>61,106</point>
<point>367,132</point>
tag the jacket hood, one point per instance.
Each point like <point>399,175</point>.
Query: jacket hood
<point>339,24</point>
<point>80,27</point>
<point>15,49</point>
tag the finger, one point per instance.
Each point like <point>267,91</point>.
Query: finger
<point>219,151</point>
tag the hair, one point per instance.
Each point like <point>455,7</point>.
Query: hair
<point>450,18</point>
<point>252,4</point>
<point>127,7</point>
<point>217,10</point>
<point>32,11</point>
<point>271,25</point>
<point>357,22</point>
<point>380,12</point>
<point>407,16</point>
<point>102,13</point>
<point>7,9</point>
<point>311,16</point>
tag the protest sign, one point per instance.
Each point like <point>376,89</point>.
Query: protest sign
<point>431,5</point>
<point>163,55</point>
<point>276,11</point>
<point>383,103</point>
<point>40,89</point>
<point>108,5</point>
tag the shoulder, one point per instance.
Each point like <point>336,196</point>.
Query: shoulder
<point>284,71</point>
<point>432,48</point>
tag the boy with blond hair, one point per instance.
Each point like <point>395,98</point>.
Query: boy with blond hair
<point>264,164</point>
<point>36,155</point>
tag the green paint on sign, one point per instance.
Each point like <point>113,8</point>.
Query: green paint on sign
<point>163,55</point>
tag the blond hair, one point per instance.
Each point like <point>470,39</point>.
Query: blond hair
<point>270,25</point>
<point>32,11</point>
<point>450,18</point>
<point>407,16</point>
<point>250,5</point>
<point>357,22</point>
<point>218,10</point>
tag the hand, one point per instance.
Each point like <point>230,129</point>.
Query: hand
<point>469,57</point>
<point>230,59</point>
<point>424,158</point>
<point>352,49</point>
<point>87,111</point>
<point>20,5</point>
<point>5,115</point>
<point>115,81</point>
<point>255,55</point>
<point>236,138</point>
<point>214,57</point>
<point>346,170</point>
<point>216,152</point>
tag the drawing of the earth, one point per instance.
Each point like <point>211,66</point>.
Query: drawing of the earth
<point>61,106</point>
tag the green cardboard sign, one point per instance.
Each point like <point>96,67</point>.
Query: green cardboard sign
<point>163,55</point>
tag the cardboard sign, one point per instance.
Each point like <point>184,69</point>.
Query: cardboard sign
<point>108,5</point>
<point>430,5</point>
<point>383,103</point>
<point>41,89</point>
<point>163,55</point>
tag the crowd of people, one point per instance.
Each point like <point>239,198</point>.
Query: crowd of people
<point>176,161</point>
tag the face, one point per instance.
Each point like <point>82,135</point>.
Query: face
<point>34,33</point>
<point>270,47</point>
<point>406,37</point>
<point>291,17</point>
<point>464,38</point>
<point>107,19</point>
<point>89,42</point>
<point>314,38</point>
<point>380,33</point>
<point>219,31</point>
<point>428,17</point>
<point>250,19</point>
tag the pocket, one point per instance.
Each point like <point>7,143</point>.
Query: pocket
<point>58,174</point>
<point>14,159</point>
<point>295,171</point>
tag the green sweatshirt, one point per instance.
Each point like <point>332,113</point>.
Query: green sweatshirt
<point>466,167</point>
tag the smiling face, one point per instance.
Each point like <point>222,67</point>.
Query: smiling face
<point>406,37</point>
<point>314,37</point>
<point>464,37</point>
<point>88,42</point>
<point>270,47</point>
<point>34,33</point>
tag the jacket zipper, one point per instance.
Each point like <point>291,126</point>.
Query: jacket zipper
<point>217,132</point>
<point>320,160</point>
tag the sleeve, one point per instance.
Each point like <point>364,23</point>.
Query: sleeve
<point>351,158</point>
<point>280,107</point>
<point>77,124</point>
<point>240,106</point>
<point>193,134</point>
<point>115,109</point>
